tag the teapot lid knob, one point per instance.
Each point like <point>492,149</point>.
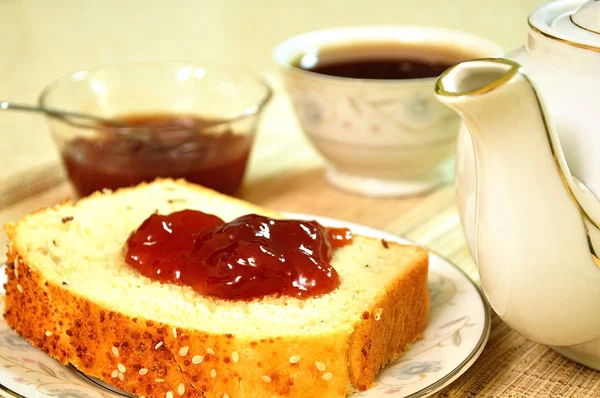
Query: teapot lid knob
<point>588,17</point>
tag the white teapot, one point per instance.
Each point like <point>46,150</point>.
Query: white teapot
<point>528,177</point>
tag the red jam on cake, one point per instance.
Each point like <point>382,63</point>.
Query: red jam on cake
<point>250,257</point>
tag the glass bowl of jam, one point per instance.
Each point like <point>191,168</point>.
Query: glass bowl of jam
<point>177,120</point>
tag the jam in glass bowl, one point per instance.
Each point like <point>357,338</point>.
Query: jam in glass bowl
<point>177,120</point>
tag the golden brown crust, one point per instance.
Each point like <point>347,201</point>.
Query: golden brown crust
<point>403,313</point>
<point>119,349</point>
<point>76,331</point>
<point>84,335</point>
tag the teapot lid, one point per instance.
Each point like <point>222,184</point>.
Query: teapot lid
<point>574,22</point>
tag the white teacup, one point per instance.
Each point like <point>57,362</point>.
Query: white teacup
<point>379,137</point>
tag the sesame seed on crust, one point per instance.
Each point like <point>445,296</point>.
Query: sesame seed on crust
<point>196,359</point>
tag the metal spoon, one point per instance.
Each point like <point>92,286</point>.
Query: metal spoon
<point>123,129</point>
<point>6,106</point>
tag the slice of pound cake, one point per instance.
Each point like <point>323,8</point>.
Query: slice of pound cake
<point>78,289</point>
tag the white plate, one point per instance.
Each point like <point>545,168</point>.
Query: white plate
<point>453,340</point>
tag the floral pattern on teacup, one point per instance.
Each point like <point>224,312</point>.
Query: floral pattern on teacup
<point>313,109</point>
<point>410,116</point>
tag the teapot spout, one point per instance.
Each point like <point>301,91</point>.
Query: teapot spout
<point>501,108</point>
<point>474,77</point>
<point>534,223</point>
<point>492,95</point>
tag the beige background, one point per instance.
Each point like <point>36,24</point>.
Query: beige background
<point>44,39</point>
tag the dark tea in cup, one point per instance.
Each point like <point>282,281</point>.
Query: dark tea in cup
<point>381,60</point>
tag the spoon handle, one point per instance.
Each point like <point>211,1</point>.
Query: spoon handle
<point>5,105</point>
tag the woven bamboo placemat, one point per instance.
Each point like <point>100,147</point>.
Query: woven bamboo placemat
<point>510,365</point>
